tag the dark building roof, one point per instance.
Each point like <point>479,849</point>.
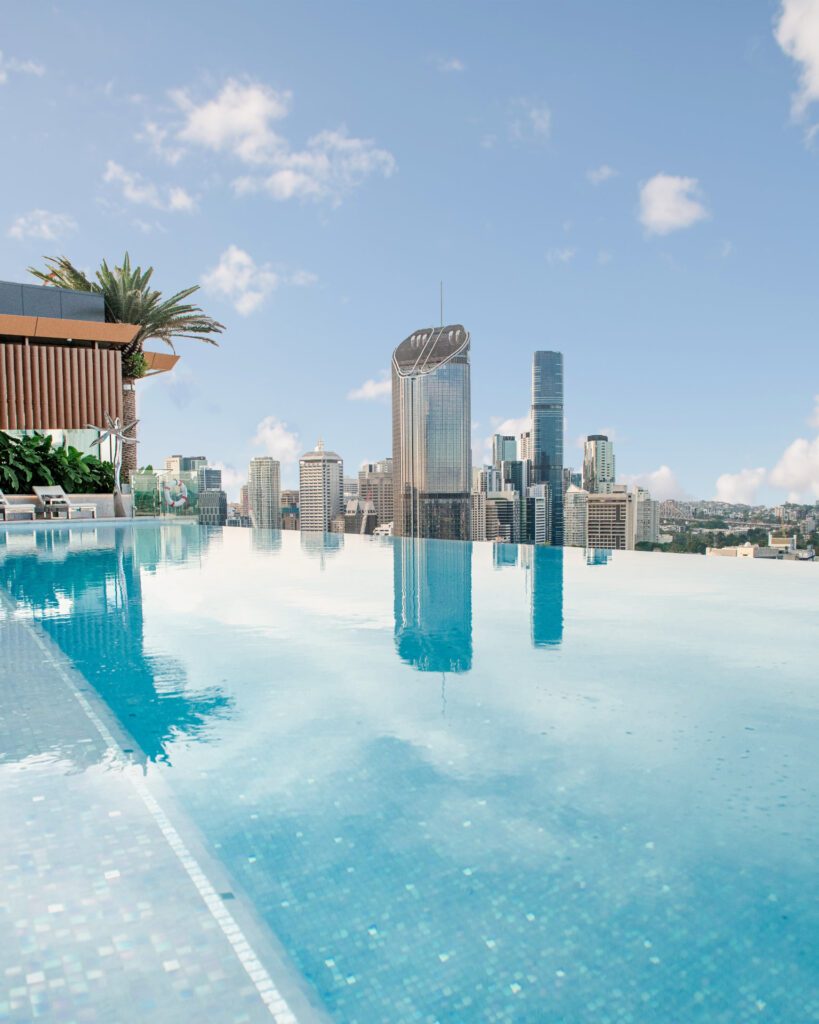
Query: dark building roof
<point>43,300</point>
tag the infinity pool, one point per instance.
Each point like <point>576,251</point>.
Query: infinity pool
<point>248,775</point>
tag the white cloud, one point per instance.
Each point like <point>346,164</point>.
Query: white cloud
<point>232,479</point>
<point>239,121</point>
<point>157,138</point>
<point>448,64</point>
<point>240,279</point>
<point>669,202</point>
<point>797,33</point>
<point>247,284</point>
<point>662,483</point>
<point>135,189</point>
<point>798,470</point>
<point>740,488</point>
<point>273,436</point>
<point>532,121</point>
<point>13,65</point>
<point>42,224</point>
<point>600,174</point>
<point>564,255</point>
<point>372,389</point>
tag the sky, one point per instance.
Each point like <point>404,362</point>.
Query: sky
<point>635,185</point>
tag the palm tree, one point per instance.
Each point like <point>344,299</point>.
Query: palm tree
<point>129,299</point>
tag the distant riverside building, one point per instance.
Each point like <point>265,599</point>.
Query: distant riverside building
<point>321,489</point>
<point>575,517</point>
<point>212,507</point>
<point>264,493</point>
<point>431,434</point>
<point>610,522</point>
<point>504,449</point>
<point>646,517</point>
<point>375,484</point>
<point>547,433</point>
<point>598,464</point>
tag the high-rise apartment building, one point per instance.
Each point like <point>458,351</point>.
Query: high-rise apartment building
<point>264,493</point>
<point>646,517</point>
<point>503,516</point>
<point>321,489</point>
<point>539,514</point>
<point>598,464</point>
<point>525,445</point>
<point>547,433</point>
<point>431,428</point>
<point>575,517</point>
<point>244,501</point>
<point>504,449</point>
<point>611,519</point>
<point>375,485</point>
<point>478,506</point>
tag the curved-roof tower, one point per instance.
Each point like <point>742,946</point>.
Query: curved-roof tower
<point>431,419</point>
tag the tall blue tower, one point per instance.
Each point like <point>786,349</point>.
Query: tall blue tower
<point>547,433</point>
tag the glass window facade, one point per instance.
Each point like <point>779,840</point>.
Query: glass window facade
<point>547,433</point>
<point>432,457</point>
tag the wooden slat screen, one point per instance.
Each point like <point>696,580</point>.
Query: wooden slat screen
<point>56,387</point>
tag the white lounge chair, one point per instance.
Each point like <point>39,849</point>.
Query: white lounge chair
<point>54,500</point>
<point>8,508</point>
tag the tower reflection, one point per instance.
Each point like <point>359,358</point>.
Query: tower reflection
<point>432,583</point>
<point>544,567</point>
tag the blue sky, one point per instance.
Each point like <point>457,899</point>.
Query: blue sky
<point>635,184</point>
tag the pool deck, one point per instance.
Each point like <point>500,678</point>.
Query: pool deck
<point>110,909</point>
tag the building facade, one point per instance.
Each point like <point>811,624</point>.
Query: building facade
<point>646,517</point>
<point>375,485</point>
<point>321,490</point>
<point>264,493</point>
<point>575,517</point>
<point>598,464</point>
<point>504,449</point>
<point>503,516</point>
<point>431,434</point>
<point>547,433</point>
<point>539,514</point>
<point>611,520</point>
<point>213,507</point>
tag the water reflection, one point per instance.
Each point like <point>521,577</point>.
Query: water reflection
<point>598,556</point>
<point>91,607</point>
<point>546,596</point>
<point>432,583</point>
<point>266,540</point>
<point>321,545</point>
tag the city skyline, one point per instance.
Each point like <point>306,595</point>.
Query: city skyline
<point>568,207</point>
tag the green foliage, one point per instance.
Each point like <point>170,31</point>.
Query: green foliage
<point>34,461</point>
<point>129,299</point>
<point>134,365</point>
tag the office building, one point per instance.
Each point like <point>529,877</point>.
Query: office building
<point>525,446</point>
<point>575,517</point>
<point>244,502</point>
<point>478,508</point>
<point>212,507</point>
<point>598,464</point>
<point>646,517</point>
<point>375,485</point>
<point>431,434</point>
<point>539,514</point>
<point>610,522</point>
<point>487,479</point>
<point>290,509</point>
<point>571,478</point>
<point>321,489</point>
<point>547,433</point>
<point>503,516</point>
<point>264,493</point>
<point>504,449</point>
<point>209,479</point>
<point>177,464</point>
<point>360,517</point>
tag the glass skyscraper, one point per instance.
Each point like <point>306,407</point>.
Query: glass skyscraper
<point>547,433</point>
<point>431,420</point>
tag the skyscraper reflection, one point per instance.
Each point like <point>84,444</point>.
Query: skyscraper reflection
<point>432,583</point>
<point>545,566</point>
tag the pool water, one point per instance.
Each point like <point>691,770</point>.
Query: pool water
<point>441,782</point>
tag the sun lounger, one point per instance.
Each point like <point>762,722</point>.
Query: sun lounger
<point>54,501</point>
<point>9,508</point>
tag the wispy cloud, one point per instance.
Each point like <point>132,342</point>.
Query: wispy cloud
<point>740,488</point>
<point>372,389</point>
<point>560,255</point>
<point>247,284</point>
<point>449,64</point>
<point>532,120</point>
<point>15,66</point>
<point>797,32</point>
<point>600,174</point>
<point>241,121</point>
<point>42,224</point>
<point>275,439</point>
<point>136,189</point>
<point>669,203</point>
<point>662,483</point>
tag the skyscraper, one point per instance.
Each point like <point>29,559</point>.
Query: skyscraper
<point>264,493</point>
<point>504,449</point>
<point>375,485</point>
<point>321,489</point>
<point>547,433</point>
<point>598,464</point>
<point>576,514</point>
<point>431,426</point>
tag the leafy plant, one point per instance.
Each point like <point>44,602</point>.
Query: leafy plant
<point>134,365</point>
<point>35,461</point>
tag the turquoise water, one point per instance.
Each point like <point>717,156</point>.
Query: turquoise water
<point>465,782</point>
